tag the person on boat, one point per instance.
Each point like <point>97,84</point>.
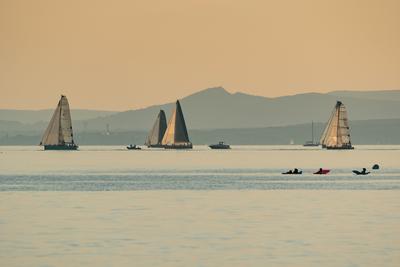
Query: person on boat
<point>319,171</point>
<point>364,171</point>
<point>296,171</point>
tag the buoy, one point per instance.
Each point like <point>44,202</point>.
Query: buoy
<point>375,167</point>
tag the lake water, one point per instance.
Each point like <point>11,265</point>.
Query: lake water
<point>106,206</point>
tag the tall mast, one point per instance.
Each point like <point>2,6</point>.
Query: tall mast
<point>312,131</point>
<point>338,122</point>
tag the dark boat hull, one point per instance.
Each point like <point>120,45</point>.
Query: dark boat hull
<point>340,148</point>
<point>360,173</point>
<point>291,173</point>
<point>61,147</point>
<point>219,146</point>
<point>185,146</point>
<point>133,148</point>
<point>155,146</point>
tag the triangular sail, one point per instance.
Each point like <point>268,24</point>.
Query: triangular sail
<point>52,133</point>
<point>157,132</point>
<point>59,130</point>
<point>337,131</point>
<point>176,133</point>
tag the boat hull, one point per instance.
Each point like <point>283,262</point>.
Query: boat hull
<point>339,148</point>
<point>133,148</point>
<point>61,147</point>
<point>219,147</point>
<point>155,146</point>
<point>185,146</point>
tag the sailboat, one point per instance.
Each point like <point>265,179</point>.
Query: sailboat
<point>337,132</point>
<point>59,135</point>
<point>311,143</point>
<point>176,135</point>
<point>156,133</point>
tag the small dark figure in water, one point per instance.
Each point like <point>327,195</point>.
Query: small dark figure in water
<point>363,172</point>
<point>295,171</point>
<point>319,171</point>
<point>375,167</point>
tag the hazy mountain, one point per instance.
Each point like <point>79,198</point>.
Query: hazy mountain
<point>34,116</point>
<point>215,108</point>
<point>392,95</point>
<point>362,132</point>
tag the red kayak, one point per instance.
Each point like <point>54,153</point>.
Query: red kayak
<point>322,171</point>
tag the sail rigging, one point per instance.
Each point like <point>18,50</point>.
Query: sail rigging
<point>337,131</point>
<point>176,135</point>
<point>59,131</point>
<point>156,133</point>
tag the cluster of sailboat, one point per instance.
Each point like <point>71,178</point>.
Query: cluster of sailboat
<point>174,135</point>
<point>171,136</point>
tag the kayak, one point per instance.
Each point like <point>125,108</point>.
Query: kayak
<point>322,171</point>
<point>360,173</point>
<point>300,172</point>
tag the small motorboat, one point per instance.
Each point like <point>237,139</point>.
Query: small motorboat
<point>322,171</point>
<point>295,171</point>
<point>133,147</point>
<point>220,145</point>
<point>363,172</point>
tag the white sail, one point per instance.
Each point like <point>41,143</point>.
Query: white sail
<point>337,130</point>
<point>157,132</point>
<point>52,133</point>
<point>59,130</point>
<point>65,122</point>
<point>176,133</point>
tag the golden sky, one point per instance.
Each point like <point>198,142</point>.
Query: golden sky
<point>123,54</point>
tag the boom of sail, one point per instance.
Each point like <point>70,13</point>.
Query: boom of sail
<point>59,134</point>
<point>154,139</point>
<point>337,131</point>
<point>176,135</point>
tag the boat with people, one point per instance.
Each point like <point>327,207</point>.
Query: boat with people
<point>176,135</point>
<point>311,143</point>
<point>363,172</point>
<point>133,147</point>
<point>220,145</point>
<point>156,134</point>
<point>322,171</point>
<point>295,171</point>
<point>59,134</point>
<point>337,131</point>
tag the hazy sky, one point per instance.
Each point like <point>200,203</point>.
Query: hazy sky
<point>128,54</point>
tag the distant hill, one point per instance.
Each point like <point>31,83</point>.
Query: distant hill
<point>215,108</point>
<point>391,95</point>
<point>35,116</point>
<point>363,132</point>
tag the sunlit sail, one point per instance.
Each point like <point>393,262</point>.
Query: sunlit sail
<point>156,133</point>
<point>176,135</point>
<point>59,134</point>
<point>337,132</point>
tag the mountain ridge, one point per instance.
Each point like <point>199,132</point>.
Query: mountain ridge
<point>217,108</point>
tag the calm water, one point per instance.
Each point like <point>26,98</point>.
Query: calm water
<point>104,206</point>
